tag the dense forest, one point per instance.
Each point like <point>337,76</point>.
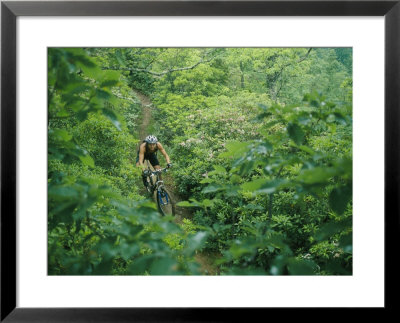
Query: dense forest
<point>261,145</point>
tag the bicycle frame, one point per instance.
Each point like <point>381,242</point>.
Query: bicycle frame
<point>158,183</point>
<point>156,188</point>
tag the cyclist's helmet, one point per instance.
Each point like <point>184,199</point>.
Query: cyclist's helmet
<point>151,139</point>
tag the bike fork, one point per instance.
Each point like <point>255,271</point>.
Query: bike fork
<point>160,198</point>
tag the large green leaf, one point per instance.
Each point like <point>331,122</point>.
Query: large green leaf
<point>140,265</point>
<point>62,193</point>
<point>87,160</point>
<point>340,118</point>
<point>195,242</point>
<point>114,118</point>
<point>301,267</point>
<point>263,186</point>
<point>103,94</point>
<point>235,149</point>
<point>295,133</point>
<point>346,242</point>
<point>242,247</point>
<point>253,185</point>
<point>272,186</point>
<point>60,134</point>
<point>120,58</point>
<point>164,266</point>
<point>327,230</point>
<point>109,83</point>
<point>212,188</point>
<point>219,169</point>
<point>80,213</point>
<point>264,148</point>
<point>340,198</point>
<point>317,175</point>
<point>128,251</point>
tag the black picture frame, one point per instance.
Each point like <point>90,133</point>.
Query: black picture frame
<point>10,10</point>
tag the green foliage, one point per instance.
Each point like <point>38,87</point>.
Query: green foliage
<point>104,142</point>
<point>261,141</point>
<point>289,181</point>
<point>98,222</point>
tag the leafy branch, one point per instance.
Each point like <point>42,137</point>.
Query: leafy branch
<point>203,60</point>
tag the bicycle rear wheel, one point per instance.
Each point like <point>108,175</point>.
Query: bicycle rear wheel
<point>164,202</point>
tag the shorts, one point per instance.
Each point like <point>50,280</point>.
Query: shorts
<point>152,158</point>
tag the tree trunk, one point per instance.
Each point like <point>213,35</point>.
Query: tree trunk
<point>241,75</point>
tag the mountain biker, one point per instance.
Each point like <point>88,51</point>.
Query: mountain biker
<point>148,151</point>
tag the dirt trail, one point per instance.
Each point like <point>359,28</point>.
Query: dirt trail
<point>180,212</point>
<point>146,114</point>
<point>205,260</point>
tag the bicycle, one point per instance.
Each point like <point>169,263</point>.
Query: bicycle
<point>156,188</point>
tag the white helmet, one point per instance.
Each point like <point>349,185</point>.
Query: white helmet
<point>151,139</point>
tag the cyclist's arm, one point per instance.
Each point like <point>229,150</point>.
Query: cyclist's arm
<point>161,148</point>
<point>141,155</point>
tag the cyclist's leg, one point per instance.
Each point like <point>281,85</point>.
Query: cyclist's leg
<point>154,162</point>
<point>145,178</point>
<point>137,158</point>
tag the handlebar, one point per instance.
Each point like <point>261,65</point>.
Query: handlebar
<point>157,170</point>
<point>160,170</point>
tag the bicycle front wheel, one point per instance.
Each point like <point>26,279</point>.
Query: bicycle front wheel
<point>164,202</point>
